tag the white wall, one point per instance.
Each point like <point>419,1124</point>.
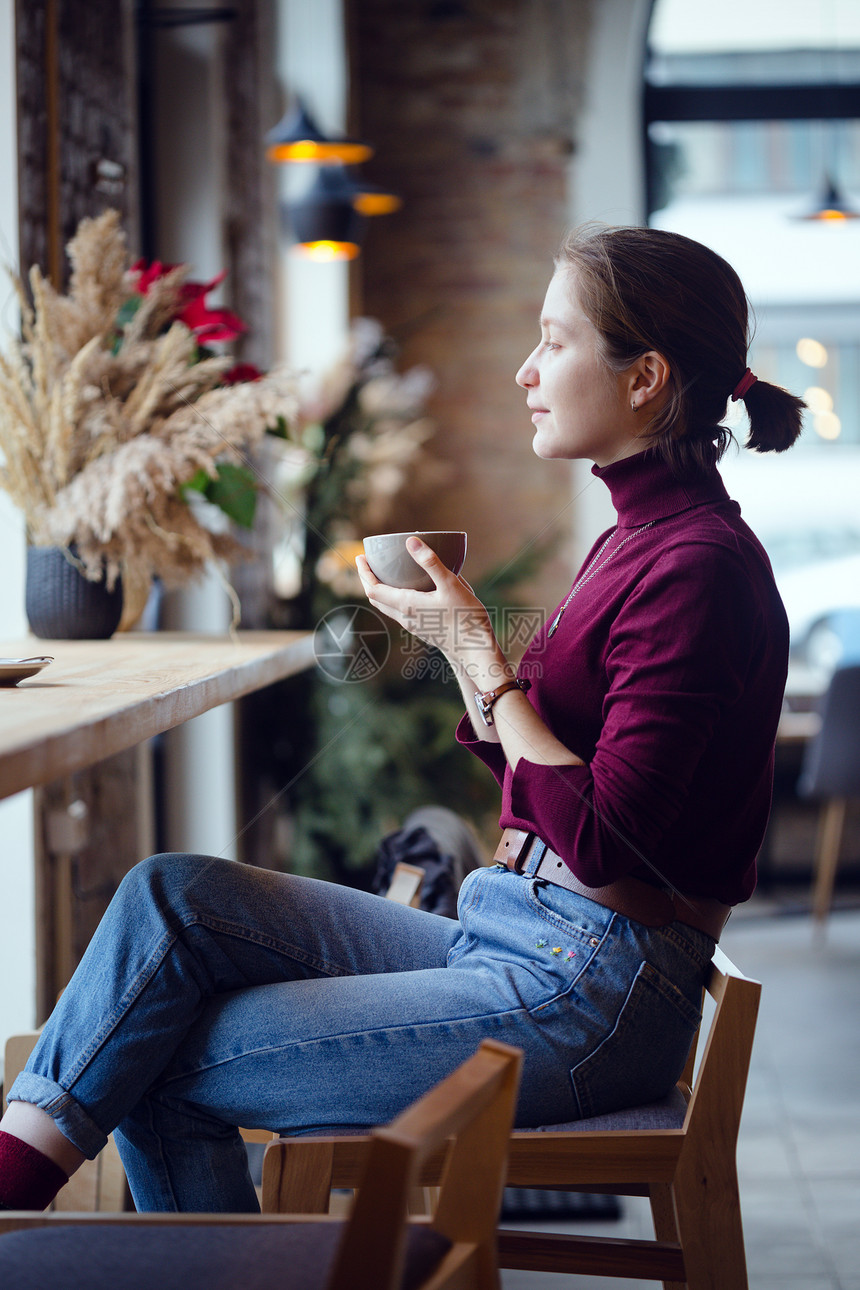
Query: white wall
<point>607,170</point>
<point>17,930</point>
<point>201,813</point>
<point>313,309</point>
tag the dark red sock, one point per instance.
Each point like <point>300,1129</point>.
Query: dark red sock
<point>28,1179</point>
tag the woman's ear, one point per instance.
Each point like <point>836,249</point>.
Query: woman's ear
<point>649,377</point>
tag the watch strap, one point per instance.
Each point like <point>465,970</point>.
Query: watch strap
<point>484,701</point>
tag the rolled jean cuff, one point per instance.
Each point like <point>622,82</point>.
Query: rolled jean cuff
<point>69,1116</point>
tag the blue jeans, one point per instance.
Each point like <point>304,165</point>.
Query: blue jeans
<point>214,994</point>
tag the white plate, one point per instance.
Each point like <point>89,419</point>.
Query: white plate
<point>13,670</point>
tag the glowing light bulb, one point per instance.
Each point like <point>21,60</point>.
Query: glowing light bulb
<point>324,151</point>
<point>818,399</point>
<point>373,203</point>
<point>326,251</point>
<point>811,352</point>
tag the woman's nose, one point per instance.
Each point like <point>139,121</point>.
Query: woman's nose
<point>527,375</point>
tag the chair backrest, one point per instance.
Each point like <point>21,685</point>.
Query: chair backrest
<point>473,1110</point>
<point>16,1053</point>
<point>831,762</point>
<point>719,1084</point>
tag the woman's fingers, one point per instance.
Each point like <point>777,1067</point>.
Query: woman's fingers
<point>428,559</point>
<point>365,573</point>
<point>388,599</point>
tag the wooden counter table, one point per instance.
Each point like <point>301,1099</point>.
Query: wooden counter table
<point>98,698</point>
<point>94,704</point>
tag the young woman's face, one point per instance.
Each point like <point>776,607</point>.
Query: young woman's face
<point>579,407</point>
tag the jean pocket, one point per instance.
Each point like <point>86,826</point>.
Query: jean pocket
<point>570,913</point>
<point>642,1057</point>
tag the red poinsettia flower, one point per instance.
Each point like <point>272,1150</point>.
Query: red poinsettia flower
<point>149,273</point>
<point>240,372</point>
<point>208,325</point>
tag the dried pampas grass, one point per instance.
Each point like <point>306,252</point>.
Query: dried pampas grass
<point>101,425</point>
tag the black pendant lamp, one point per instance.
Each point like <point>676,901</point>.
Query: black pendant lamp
<point>832,206</point>
<point>297,137</point>
<point>325,222</point>
<point>328,221</point>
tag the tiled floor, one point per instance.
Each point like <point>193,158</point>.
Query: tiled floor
<point>799,1152</point>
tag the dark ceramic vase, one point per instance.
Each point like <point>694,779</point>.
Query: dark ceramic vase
<point>62,604</point>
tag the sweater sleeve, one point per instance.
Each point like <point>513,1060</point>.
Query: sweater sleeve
<point>676,663</point>
<point>491,754</point>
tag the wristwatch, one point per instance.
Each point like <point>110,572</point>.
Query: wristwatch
<point>485,701</point>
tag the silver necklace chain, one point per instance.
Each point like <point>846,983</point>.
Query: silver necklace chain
<point>594,568</point>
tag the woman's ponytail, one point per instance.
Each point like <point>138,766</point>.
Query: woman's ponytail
<point>776,417</point>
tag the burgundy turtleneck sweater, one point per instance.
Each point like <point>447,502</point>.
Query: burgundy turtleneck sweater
<point>666,676</point>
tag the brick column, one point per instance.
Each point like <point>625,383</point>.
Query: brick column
<point>473,110</point>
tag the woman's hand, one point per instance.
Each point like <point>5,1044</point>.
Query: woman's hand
<point>450,617</point>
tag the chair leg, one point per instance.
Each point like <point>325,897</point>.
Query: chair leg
<point>665,1224</point>
<point>829,841</point>
<point>297,1179</point>
<point>708,1211</point>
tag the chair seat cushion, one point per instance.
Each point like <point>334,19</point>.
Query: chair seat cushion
<point>666,1113</point>
<point>223,1256</point>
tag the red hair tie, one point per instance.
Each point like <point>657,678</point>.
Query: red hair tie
<point>746,382</point>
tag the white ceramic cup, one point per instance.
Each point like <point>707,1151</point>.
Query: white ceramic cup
<point>388,558</point>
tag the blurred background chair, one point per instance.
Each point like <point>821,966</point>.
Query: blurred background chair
<point>831,771</point>
<point>680,1152</point>
<point>466,1120</point>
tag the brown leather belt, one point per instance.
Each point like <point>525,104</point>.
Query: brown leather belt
<point>631,897</point>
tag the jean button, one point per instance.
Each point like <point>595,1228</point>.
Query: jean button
<point>594,940</point>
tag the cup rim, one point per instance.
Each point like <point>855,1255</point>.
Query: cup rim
<point>421,533</point>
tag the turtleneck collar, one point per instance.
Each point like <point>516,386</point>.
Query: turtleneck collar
<point>644,488</point>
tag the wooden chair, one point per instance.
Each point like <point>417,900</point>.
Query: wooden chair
<point>463,1125</point>
<point>680,1152</point>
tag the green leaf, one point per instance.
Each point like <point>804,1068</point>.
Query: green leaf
<point>124,315</point>
<point>199,482</point>
<point>127,310</point>
<point>234,491</point>
<point>280,430</point>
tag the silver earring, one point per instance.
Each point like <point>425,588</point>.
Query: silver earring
<point>634,407</point>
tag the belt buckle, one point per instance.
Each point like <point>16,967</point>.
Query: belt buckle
<point>512,851</point>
